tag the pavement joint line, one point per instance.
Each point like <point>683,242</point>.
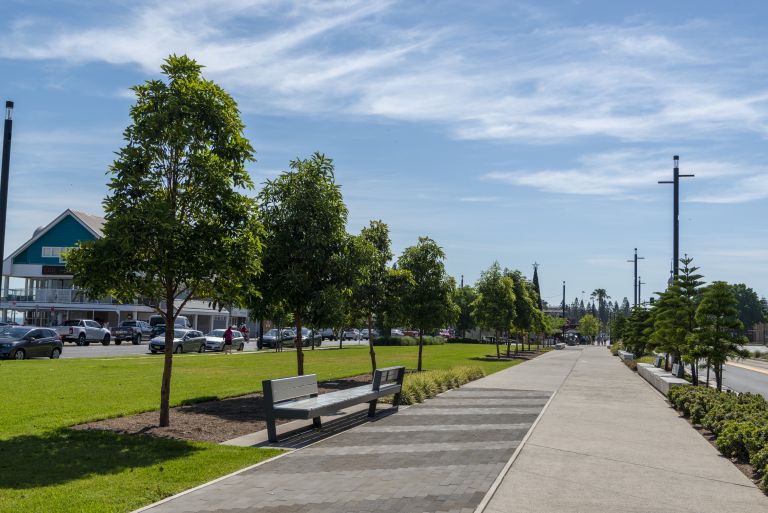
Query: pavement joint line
<point>504,471</point>
<point>617,460</point>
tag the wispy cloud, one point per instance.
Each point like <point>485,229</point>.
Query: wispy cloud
<point>625,173</point>
<point>631,81</point>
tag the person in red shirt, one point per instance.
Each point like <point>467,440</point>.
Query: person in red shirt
<point>228,341</point>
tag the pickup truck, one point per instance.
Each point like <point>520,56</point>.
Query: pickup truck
<point>82,332</point>
<point>131,330</point>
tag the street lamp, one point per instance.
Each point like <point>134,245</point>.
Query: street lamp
<point>4,172</point>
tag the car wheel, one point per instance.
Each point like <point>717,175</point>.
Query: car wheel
<point>117,342</point>
<point>56,353</point>
<point>241,347</point>
<point>153,351</point>
<point>105,340</point>
<point>86,342</point>
<point>19,354</point>
<point>179,350</point>
<point>202,348</point>
<point>81,340</point>
<point>318,343</point>
<point>137,340</point>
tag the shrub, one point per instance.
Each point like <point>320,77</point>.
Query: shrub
<point>408,341</point>
<point>615,347</point>
<point>422,385</point>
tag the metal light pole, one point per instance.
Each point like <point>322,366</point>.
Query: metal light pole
<point>563,299</point>
<point>640,284</point>
<point>676,213</point>
<point>4,172</point>
<point>635,281</point>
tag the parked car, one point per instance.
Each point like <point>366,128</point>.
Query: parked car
<point>82,332</point>
<point>351,334</point>
<point>184,341</point>
<point>307,337</point>
<point>445,333</point>
<point>156,322</point>
<point>271,337</point>
<point>21,342</point>
<point>411,333</point>
<point>214,340</point>
<point>364,333</point>
<point>396,332</point>
<point>131,330</point>
<point>328,334</point>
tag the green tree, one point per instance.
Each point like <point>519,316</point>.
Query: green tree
<point>464,297</point>
<point>589,326</point>
<point>494,306</point>
<point>369,284</point>
<point>525,307</point>
<point>177,228</point>
<point>393,309</point>
<point>602,312</point>
<point>752,309</point>
<point>429,303</point>
<point>719,327</point>
<point>536,287</point>
<point>637,331</point>
<point>305,243</point>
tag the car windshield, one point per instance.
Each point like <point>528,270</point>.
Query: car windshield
<point>215,333</point>
<point>14,332</point>
<point>271,333</point>
<point>128,323</point>
<point>71,323</point>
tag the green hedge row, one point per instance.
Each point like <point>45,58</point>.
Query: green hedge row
<point>408,341</point>
<point>418,386</point>
<point>738,421</point>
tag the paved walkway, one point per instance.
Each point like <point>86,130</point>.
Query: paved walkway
<point>606,442</point>
<point>609,442</point>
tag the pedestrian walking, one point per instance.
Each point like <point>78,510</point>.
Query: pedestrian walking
<point>244,331</point>
<point>228,341</point>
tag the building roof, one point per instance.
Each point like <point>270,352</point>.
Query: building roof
<point>94,223</point>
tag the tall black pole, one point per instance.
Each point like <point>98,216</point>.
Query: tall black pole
<point>635,279</point>
<point>4,174</point>
<point>675,214</point>
<point>639,290</point>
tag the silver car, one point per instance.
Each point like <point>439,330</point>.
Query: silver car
<point>184,341</point>
<point>214,340</point>
<point>307,337</point>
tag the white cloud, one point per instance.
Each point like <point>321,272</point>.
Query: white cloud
<point>634,82</point>
<point>620,174</point>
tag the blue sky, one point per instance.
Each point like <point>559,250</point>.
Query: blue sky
<point>514,131</point>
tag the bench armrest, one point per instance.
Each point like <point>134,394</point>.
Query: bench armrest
<point>388,375</point>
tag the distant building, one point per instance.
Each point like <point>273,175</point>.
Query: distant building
<point>49,296</point>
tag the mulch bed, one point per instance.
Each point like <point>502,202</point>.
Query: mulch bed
<point>209,421</point>
<point>521,355</point>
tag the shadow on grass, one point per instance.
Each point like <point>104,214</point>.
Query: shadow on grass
<point>64,455</point>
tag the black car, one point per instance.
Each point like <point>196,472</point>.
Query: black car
<point>20,342</point>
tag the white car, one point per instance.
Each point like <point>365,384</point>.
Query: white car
<point>214,340</point>
<point>351,334</point>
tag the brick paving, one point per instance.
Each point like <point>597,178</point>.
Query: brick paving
<point>439,456</point>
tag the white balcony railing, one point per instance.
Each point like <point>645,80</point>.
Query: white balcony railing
<point>61,296</point>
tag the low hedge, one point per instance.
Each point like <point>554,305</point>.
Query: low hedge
<point>408,341</point>
<point>418,386</point>
<point>615,347</point>
<point>739,422</point>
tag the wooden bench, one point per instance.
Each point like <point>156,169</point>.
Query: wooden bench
<point>297,397</point>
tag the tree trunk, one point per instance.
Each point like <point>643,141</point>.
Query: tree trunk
<point>694,372</point>
<point>509,342</point>
<point>371,350</point>
<point>496,338</point>
<point>707,372</point>
<point>341,339</point>
<point>421,347</point>
<point>165,387</point>
<point>719,376</point>
<point>299,351</point>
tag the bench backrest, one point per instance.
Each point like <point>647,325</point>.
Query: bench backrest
<point>285,389</point>
<point>388,375</point>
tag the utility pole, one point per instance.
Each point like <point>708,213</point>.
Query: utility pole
<point>635,281</point>
<point>563,299</point>
<point>676,213</point>
<point>4,173</point>
<point>462,281</point>
<point>640,284</point>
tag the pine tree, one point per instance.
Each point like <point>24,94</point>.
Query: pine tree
<point>536,286</point>
<point>719,326</point>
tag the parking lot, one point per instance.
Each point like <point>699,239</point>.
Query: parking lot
<point>128,349</point>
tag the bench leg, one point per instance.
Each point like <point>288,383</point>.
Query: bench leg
<point>396,401</point>
<point>372,408</point>
<point>271,429</point>
<point>317,423</point>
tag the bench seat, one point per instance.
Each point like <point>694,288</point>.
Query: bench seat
<point>332,401</point>
<point>297,397</point>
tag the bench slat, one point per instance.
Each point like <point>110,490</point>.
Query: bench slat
<point>291,388</point>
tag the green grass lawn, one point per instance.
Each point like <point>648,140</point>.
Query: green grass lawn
<point>47,468</point>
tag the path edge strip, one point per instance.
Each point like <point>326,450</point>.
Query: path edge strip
<point>497,482</point>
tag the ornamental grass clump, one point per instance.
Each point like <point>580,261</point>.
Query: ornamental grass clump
<point>419,386</point>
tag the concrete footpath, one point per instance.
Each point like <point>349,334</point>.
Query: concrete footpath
<point>609,442</point>
<point>570,431</point>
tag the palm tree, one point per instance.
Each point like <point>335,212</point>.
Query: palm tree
<point>601,296</point>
